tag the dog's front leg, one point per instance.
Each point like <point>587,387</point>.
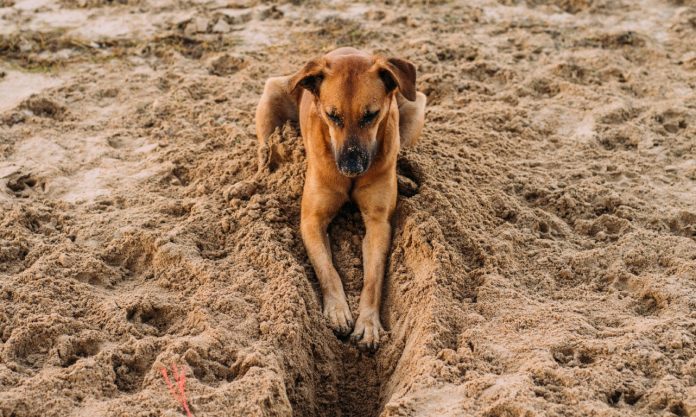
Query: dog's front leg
<point>377,203</point>
<point>318,208</point>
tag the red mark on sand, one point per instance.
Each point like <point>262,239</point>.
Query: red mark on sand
<point>178,392</point>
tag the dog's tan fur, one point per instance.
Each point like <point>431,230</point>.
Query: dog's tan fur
<point>348,158</point>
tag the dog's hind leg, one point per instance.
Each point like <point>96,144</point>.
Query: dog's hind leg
<point>411,119</point>
<point>277,105</point>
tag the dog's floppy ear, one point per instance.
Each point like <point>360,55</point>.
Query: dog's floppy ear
<point>396,72</point>
<point>309,77</point>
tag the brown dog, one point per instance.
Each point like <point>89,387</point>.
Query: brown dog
<point>355,110</point>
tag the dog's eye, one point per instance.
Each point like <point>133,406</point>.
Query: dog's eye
<point>335,118</point>
<point>368,117</point>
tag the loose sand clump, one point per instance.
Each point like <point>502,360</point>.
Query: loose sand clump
<point>544,249</point>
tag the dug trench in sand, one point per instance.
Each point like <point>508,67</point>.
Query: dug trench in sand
<point>543,254</point>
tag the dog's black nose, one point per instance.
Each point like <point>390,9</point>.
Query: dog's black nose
<point>353,161</point>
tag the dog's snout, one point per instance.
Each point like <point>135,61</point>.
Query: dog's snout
<point>353,160</point>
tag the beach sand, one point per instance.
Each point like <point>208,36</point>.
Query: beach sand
<point>544,247</point>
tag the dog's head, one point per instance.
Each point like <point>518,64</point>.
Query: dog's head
<point>353,94</point>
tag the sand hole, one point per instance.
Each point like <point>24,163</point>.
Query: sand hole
<point>129,372</point>
<point>683,224</point>
<point>614,397</point>
<point>631,397</point>
<point>410,177</point>
<point>359,387</point>
<point>678,409</point>
<point>151,319</point>
<point>44,107</point>
<point>211,250</point>
<point>74,349</point>
<point>213,373</point>
<point>180,176</point>
<point>132,251</point>
<point>210,366</point>
<point>21,183</point>
<point>647,305</point>
<point>571,357</point>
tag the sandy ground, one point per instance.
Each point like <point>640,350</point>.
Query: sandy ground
<point>544,251</point>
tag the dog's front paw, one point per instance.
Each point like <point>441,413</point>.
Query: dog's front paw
<point>337,312</point>
<point>367,330</point>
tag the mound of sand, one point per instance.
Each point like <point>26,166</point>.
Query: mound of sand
<point>544,250</point>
